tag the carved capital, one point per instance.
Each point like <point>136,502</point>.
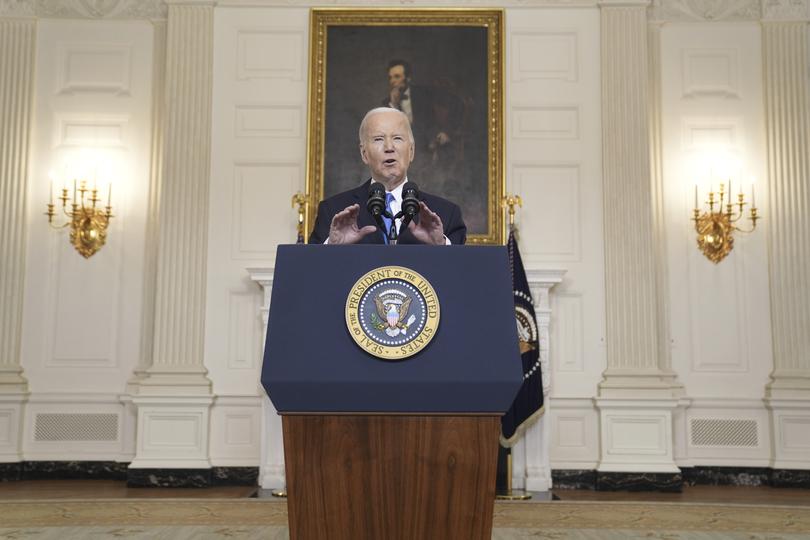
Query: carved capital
<point>17,8</point>
<point>85,9</point>
<point>785,10</point>
<point>706,10</point>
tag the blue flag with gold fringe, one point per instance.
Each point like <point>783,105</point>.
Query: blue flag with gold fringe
<point>528,405</point>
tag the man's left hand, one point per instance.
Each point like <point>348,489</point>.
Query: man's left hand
<point>430,229</point>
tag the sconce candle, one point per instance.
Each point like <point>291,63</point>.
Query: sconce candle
<point>88,224</point>
<point>715,228</point>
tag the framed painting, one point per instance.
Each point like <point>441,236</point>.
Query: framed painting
<point>444,69</point>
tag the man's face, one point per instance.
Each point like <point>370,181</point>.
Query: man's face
<point>386,147</point>
<point>396,78</point>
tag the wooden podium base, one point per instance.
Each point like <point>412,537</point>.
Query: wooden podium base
<point>390,477</point>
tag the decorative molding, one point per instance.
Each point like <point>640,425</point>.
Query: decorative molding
<point>785,10</point>
<point>710,72</point>
<point>254,184</point>
<point>18,8</point>
<point>568,333</point>
<point>270,53</point>
<point>703,134</point>
<point>705,10</point>
<point>555,122</point>
<point>95,131</point>
<point>560,60</point>
<point>242,330</point>
<point>85,9</point>
<point>268,121</point>
<point>557,186</point>
<point>111,68</point>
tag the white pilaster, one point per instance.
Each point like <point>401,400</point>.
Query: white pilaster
<point>17,42</point>
<point>174,398</point>
<point>637,394</point>
<point>271,468</point>
<point>537,441</point>
<point>788,135</point>
<point>151,251</point>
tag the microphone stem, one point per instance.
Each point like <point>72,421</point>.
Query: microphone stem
<point>392,235</point>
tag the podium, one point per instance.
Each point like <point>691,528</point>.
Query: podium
<point>386,447</point>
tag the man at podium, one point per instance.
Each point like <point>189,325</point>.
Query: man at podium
<point>387,148</point>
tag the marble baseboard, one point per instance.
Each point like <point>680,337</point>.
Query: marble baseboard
<point>790,478</point>
<point>726,476</point>
<point>193,478</point>
<point>174,478</point>
<point>10,472</point>
<point>73,470</point>
<point>235,476</point>
<point>618,481</point>
<point>573,479</point>
<point>689,476</point>
<point>110,470</point>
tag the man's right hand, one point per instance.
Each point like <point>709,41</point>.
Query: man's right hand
<point>344,229</point>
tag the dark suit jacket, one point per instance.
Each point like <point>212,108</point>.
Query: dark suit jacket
<point>454,227</point>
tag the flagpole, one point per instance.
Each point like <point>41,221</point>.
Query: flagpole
<point>506,493</point>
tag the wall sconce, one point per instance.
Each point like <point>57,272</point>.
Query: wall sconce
<point>88,224</point>
<point>715,227</point>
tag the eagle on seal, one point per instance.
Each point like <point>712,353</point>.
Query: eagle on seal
<point>392,312</point>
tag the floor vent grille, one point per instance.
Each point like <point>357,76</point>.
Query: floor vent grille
<point>735,432</point>
<point>52,427</point>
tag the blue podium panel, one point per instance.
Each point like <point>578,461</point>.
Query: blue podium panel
<point>313,365</point>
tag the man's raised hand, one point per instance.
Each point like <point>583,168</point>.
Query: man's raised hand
<point>430,229</point>
<point>344,229</point>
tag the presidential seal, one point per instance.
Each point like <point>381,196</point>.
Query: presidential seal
<point>392,312</point>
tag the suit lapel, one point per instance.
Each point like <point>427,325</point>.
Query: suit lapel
<point>364,218</point>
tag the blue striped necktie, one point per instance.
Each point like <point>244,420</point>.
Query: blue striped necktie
<point>389,197</point>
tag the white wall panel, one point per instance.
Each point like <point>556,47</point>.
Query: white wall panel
<point>554,163</point>
<point>574,433</point>
<point>257,164</point>
<point>545,54</point>
<point>69,426</point>
<point>90,130</point>
<point>712,130</point>
<point>711,72</point>
<point>270,53</point>
<point>244,335</point>
<point>545,123</point>
<point>81,327</point>
<point>556,190</point>
<point>257,209</point>
<point>567,333</point>
<point>94,67</point>
<point>255,120</point>
<point>236,431</point>
<point>6,421</point>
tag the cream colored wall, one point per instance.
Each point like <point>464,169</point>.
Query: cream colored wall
<point>713,119</point>
<point>82,330</point>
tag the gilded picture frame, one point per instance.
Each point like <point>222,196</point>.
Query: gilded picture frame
<point>457,57</point>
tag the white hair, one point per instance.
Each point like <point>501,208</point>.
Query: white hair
<point>362,131</point>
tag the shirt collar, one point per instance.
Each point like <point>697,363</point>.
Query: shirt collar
<point>397,193</point>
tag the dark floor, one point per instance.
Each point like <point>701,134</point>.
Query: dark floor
<point>114,489</point>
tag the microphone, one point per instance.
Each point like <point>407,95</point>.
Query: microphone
<point>376,200</point>
<point>376,205</point>
<point>410,203</point>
